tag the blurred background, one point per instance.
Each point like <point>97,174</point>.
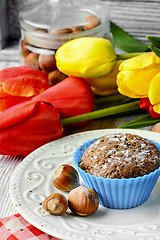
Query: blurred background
<point>138,18</point>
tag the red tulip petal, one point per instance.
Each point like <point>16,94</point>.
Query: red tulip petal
<point>152,112</point>
<point>39,124</point>
<point>144,103</point>
<point>23,81</point>
<point>73,96</point>
<point>16,114</point>
<point>10,102</point>
<point>7,100</point>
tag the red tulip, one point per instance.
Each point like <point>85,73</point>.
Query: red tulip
<point>144,103</point>
<point>19,84</point>
<point>71,97</point>
<point>28,125</point>
<point>153,113</point>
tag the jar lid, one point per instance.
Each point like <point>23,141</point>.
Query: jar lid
<point>47,16</point>
<point>57,14</point>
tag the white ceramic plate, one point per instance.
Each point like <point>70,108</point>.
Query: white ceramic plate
<point>31,182</point>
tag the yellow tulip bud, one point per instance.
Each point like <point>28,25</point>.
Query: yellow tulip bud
<point>136,75</point>
<point>87,57</point>
<point>105,85</point>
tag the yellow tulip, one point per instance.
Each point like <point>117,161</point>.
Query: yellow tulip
<point>105,85</point>
<point>154,90</point>
<point>154,93</point>
<point>137,75</point>
<point>87,57</point>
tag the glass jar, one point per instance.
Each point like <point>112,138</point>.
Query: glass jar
<point>46,25</point>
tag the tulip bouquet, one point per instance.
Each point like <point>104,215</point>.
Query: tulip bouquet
<point>34,113</point>
<point>135,74</point>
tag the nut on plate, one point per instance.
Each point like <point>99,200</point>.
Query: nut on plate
<point>83,201</point>
<point>66,178</point>
<point>156,127</point>
<point>56,204</point>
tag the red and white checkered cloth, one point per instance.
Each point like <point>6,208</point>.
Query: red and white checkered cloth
<point>16,228</point>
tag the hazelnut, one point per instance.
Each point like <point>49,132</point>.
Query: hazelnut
<point>41,30</point>
<point>47,62</point>
<point>61,31</point>
<point>56,76</point>
<point>93,21</point>
<point>83,201</point>
<point>156,128</point>
<point>56,204</point>
<point>66,178</point>
<point>77,29</point>
<point>31,60</point>
<point>24,50</point>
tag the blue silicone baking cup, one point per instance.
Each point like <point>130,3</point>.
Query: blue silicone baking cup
<point>118,193</point>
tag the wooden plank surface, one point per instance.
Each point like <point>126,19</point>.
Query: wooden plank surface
<point>139,18</point>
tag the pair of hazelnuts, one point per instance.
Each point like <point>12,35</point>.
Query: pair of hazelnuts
<point>81,200</point>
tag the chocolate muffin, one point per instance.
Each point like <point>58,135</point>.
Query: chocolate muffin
<point>120,156</point>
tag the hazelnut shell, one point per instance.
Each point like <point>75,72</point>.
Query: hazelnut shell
<point>56,204</point>
<point>56,76</point>
<point>66,178</point>
<point>93,21</point>
<point>31,60</point>
<point>83,201</point>
<point>47,62</point>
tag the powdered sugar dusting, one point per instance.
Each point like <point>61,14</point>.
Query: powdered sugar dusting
<point>119,152</point>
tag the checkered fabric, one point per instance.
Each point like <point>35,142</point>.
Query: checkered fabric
<point>16,228</point>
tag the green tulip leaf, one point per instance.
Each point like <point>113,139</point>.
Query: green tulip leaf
<point>155,50</point>
<point>155,41</point>
<point>125,42</point>
<point>144,121</point>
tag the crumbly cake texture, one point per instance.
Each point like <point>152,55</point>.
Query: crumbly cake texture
<point>120,156</point>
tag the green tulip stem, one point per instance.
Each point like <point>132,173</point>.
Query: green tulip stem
<point>128,55</point>
<point>111,98</point>
<point>111,111</point>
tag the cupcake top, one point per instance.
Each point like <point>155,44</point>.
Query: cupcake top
<point>120,156</point>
